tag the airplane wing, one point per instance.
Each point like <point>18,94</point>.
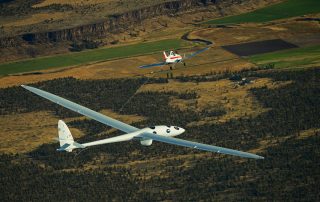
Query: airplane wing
<point>196,53</point>
<point>199,146</point>
<point>153,65</point>
<point>83,110</point>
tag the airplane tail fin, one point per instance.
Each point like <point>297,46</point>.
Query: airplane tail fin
<point>164,55</point>
<point>65,138</point>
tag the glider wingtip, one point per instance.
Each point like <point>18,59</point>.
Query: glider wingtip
<point>253,156</point>
<point>259,157</point>
<point>26,87</point>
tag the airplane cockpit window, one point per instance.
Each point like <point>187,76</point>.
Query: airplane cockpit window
<point>168,130</point>
<point>152,127</point>
<point>168,126</point>
<point>177,128</point>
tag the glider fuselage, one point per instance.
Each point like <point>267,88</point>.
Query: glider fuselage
<point>169,131</point>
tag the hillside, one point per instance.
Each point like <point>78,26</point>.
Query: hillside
<point>20,17</point>
<point>36,28</point>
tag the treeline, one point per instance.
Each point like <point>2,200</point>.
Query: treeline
<point>289,171</point>
<point>227,74</point>
<point>95,94</point>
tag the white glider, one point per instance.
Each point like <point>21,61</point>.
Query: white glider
<point>145,136</point>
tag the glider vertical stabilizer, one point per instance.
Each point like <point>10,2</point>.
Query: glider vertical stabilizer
<point>65,138</point>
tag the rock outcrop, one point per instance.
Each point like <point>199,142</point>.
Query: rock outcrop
<point>116,23</point>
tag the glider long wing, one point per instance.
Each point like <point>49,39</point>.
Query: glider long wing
<point>83,110</point>
<point>153,65</point>
<point>199,146</point>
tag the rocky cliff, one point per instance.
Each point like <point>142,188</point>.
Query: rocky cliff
<point>116,23</point>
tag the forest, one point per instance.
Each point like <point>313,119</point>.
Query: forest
<point>289,172</point>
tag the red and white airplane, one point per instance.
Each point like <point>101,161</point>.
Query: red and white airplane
<point>174,58</point>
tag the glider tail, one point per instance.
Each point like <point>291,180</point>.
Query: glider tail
<point>164,55</point>
<point>65,138</point>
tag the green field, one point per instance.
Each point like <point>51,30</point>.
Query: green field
<point>89,56</point>
<point>286,9</point>
<point>298,57</point>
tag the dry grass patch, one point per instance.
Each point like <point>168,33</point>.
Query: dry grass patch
<point>308,133</point>
<point>234,35</point>
<point>25,132</point>
<point>72,2</point>
<point>122,68</point>
<point>159,164</point>
<point>128,119</point>
<point>236,100</point>
<point>268,142</point>
<point>274,141</point>
<point>37,18</point>
<point>302,33</point>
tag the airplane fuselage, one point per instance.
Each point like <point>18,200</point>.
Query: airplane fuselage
<point>172,57</point>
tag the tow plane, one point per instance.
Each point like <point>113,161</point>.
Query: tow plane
<point>165,134</point>
<point>173,58</point>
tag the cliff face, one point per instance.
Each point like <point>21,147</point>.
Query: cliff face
<point>114,24</point>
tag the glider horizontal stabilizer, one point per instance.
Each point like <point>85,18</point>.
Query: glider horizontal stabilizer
<point>83,110</point>
<point>199,146</point>
<point>71,146</point>
<point>64,147</point>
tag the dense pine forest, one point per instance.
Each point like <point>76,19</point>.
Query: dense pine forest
<point>289,172</point>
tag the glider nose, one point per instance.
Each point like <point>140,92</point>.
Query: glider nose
<point>179,130</point>
<point>182,130</point>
